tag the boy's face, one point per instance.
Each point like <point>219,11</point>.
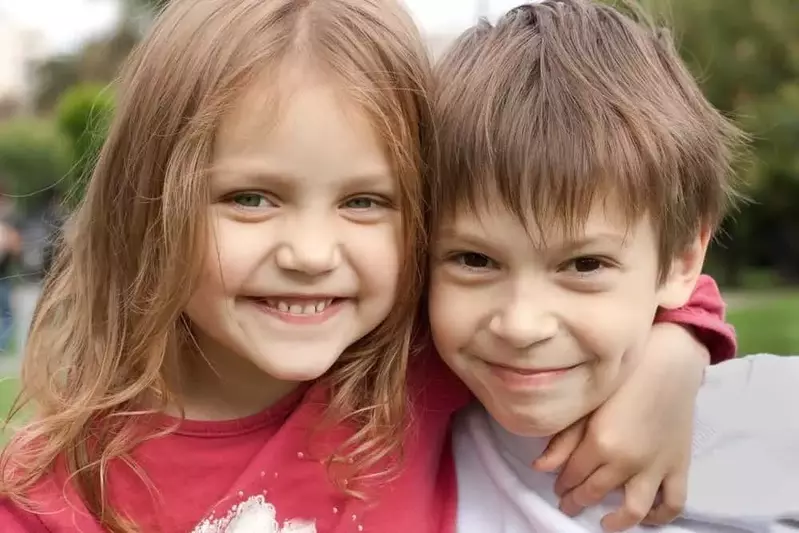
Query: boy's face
<point>541,327</point>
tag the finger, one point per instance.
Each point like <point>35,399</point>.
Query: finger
<point>639,494</point>
<point>593,490</point>
<point>673,495</point>
<point>580,465</point>
<point>560,448</point>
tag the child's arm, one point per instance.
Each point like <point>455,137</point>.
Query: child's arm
<point>641,438</point>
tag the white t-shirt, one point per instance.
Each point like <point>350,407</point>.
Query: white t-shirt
<point>744,475</point>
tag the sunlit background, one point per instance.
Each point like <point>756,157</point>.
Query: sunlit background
<point>58,60</point>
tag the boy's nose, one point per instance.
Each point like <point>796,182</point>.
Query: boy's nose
<point>523,324</point>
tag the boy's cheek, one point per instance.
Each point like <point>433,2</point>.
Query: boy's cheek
<point>454,310</point>
<point>454,323</point>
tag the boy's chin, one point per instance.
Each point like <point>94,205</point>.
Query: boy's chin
<point>539,425</point>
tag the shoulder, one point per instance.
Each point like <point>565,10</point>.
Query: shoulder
<point>14,519</point>
<point>747,434</point>
<point>432,386</point>
<point>50,505</point>
<point>750,393</point>
<point>746,400</point>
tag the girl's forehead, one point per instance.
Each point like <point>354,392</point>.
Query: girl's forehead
<point>316,137</point>
<point>295,94</point>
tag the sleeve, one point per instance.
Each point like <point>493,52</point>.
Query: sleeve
<point>15,520</point>
<point>433,385</point>
<point>704,315</point>
<point>745,467</point>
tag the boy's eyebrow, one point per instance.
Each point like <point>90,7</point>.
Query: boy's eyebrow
<point>465,236</point>
<point>451,232</point>
<point>599,238</point>
<point>564,246</point>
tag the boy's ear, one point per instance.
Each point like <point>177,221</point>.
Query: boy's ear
<point>685,270</point>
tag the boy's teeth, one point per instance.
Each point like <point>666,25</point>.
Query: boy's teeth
<point>294,308</point>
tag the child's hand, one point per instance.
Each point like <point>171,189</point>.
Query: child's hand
<point>640,439</point>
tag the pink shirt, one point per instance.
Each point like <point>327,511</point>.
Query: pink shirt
<point>262,474</point>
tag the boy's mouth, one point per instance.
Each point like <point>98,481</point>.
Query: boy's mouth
<point>516,377</point>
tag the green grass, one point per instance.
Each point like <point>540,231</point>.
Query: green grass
<point>8,392</point>
<point>767,322</point>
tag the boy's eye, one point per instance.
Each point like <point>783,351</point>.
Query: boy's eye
<point>473,260</point>
<point>587,264</point>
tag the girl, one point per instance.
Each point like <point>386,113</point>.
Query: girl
<point>223,342</point>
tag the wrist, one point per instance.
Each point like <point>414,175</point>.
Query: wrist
<point>685,354</point>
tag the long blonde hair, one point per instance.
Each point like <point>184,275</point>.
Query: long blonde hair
<point>109,327</point>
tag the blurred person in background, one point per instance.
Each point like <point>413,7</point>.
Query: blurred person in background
<point>10,246</point>
<point>39,233</point>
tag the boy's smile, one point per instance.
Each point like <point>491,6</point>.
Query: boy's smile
<point>543,327</point>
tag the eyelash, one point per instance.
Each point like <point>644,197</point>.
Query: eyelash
<point>378,201</point>
<point>232,200</point>
<point>458,258</point>
<point>602,264</point>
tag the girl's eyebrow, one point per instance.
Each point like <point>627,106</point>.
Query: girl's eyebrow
<point>377,180</point>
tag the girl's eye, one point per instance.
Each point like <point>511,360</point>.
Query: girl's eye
<point>362,203</point>
<point>473,260</point>
<point>251,200</point>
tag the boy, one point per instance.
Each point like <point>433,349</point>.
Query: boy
<point>580,175</point>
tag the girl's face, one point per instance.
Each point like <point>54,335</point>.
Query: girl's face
<point>303,258</point>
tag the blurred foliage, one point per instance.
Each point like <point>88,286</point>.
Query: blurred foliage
<point>148,5</point>
<point>97,62</point>
<point>746,56</point>
<point>83,116</point>
<point>34,157</point>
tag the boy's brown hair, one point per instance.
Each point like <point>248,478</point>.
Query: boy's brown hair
<point>563,103</point>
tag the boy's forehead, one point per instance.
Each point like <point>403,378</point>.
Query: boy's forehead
<point>491,218</point>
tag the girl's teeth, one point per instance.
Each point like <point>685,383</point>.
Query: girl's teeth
<point>299,309</point>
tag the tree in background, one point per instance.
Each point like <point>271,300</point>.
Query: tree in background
<point>97,61</point>
<point>83,116</point>
<point>138,8</point>
<point>746,56</point>
<point>34,157</point>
